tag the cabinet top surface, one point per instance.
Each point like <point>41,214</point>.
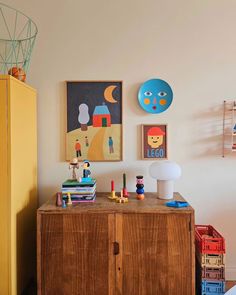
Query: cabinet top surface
<point>151,204</point>
<point>12,79</point>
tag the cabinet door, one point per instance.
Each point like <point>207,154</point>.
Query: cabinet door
<point>76,253</point>
<point>155,254</point>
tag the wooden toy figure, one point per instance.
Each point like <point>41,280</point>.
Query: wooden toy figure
<point>113,196</point>
<point>86,171</point>
<point>69,202</point>
<point>122,199</point>
<point>140,187</point>
<point>63,204</point>
<point>125,193</point>
<point>59,201</point>
<point>74,164</point>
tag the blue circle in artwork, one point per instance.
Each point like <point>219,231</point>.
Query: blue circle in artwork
<point>155,96</point>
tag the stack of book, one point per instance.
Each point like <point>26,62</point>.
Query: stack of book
<point>84,191</point>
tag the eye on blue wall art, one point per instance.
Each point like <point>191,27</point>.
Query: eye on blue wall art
<point>155,96</point>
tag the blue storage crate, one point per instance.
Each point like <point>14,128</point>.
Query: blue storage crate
<point>213,287</point>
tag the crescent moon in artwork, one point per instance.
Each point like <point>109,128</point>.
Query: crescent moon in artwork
<point>108,94</point>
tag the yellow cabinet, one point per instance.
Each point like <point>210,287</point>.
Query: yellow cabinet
<point>18,185</point>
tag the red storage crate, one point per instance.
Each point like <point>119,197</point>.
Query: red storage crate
<point>209,240</point>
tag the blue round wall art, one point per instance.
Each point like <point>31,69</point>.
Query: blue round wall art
<point>155,96</point>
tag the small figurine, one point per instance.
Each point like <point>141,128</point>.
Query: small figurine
<point>140,187</point>
<point>113,196</point>
<point>63,204</point>
<point>69,202</point>
<point>59,202</point>
<point>74,164</point>
<point>125,193</point>
<point>86,171</point>
<point>122,199</point>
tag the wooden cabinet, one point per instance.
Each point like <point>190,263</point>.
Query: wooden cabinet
<point>18,183</point>
<point>142,247</point>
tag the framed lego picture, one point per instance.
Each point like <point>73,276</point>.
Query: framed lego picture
<point>154,142</point>
<point>94,120</point>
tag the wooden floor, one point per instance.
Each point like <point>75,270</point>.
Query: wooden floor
<point>230,284</point>
<point>32,289</point>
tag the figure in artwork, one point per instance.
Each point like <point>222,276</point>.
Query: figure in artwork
<point>155,137</point>
<point>86,141</point>
<point>154,141</point>
<point>110,144</point>
<point>78,148</point>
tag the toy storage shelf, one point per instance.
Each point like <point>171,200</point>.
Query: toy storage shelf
<point>229,127</point>
<point>109,248</point>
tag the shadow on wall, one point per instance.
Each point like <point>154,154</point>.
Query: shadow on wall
<point>207,134</point>
<point>26,246</point>
<point>62,120</point>
<point>131,97</point>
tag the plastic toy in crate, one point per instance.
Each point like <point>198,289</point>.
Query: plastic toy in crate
<point>212,288</point>
<point>211,260</point>
<point>208,240</point>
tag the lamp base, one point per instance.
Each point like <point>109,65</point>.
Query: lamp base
<point>165,189</point>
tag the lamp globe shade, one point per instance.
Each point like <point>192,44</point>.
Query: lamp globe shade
<point>165,172</point>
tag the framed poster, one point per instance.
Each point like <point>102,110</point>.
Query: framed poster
<point>94,120</point>
<point>154,142</point>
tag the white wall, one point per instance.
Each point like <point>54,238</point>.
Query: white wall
<point>189,43</point>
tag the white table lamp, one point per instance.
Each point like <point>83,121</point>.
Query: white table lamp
<point>165,172</point>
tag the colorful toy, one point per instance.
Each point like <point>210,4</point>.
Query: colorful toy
<point>113,196</point>
<point>122,199</point>
<point>69,202</point>
<point>17,73</point>
<point>74,165</point>
<point>86,172</point>
<point>140,187</point>
<point>155,96</point>
<point>63,204</point>
<point>177,204</point>
<point>59,201</point>
<point>125,193</point>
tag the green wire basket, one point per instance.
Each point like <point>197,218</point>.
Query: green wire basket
<point>17,37</point>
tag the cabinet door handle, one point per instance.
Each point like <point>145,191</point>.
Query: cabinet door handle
<point>116,248</point>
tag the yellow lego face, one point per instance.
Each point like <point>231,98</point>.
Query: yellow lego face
<point>155,141</point>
